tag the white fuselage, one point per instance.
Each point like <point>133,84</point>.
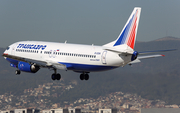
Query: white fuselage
<point>76,57</point>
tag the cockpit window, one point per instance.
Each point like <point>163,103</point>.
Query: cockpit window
<point>7,48</point>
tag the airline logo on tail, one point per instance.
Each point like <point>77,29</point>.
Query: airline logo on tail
<point>128,34</point>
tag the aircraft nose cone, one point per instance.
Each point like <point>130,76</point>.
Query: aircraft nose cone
<point>5,53</point>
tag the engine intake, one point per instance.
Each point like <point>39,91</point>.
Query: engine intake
<point>23,66</point>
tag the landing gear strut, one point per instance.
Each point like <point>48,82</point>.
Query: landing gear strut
<point>55,75</point>
<point>84,76</point>
<point>18,72</point>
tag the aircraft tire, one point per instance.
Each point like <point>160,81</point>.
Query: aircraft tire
<point>58,76</point>
<point>53,76</point>
<point>86,77</point>
<point>82,76</point>
<point>18,72</point>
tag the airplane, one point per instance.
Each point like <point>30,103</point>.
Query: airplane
<point>30,56</point>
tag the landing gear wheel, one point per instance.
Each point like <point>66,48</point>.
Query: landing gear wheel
<point>58,76</point>
<point>86,77</point>
<point>82,76</point>
<point>53,76</point>
<point>18,72</point>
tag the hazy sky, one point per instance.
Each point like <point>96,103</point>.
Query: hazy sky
<point>85,21</point>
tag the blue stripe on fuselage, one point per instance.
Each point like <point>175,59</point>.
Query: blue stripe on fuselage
<point>15,62</point>
<point>86,67</point>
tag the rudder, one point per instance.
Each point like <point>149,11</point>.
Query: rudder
<point>128,34</point>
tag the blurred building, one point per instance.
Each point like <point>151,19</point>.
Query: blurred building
<point>107,110</point>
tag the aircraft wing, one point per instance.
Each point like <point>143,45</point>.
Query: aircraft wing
<point>45,64</point>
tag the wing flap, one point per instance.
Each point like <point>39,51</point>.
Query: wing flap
<point>56,65</point>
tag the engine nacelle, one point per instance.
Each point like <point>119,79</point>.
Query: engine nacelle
<point>134,55</point>
<point>23,66</point>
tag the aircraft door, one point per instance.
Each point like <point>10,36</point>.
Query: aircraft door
<point>103,57</point>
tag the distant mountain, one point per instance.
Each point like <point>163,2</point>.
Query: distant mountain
<point>168,38</point>
<point>157,78</point>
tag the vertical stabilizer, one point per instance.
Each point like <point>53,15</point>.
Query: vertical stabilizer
<point>128,34</point>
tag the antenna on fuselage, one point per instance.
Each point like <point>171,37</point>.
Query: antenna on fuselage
<point>65,41</point>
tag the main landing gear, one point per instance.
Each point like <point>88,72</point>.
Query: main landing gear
<point>84,76</point>
<point>55,75</point>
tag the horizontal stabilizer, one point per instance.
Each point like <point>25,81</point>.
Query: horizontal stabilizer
<point>149,56</point>
<point>134,61</point>
<point>144,57</point>
<point>157,51</point>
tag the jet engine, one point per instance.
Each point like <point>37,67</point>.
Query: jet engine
<point>23,66</point>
